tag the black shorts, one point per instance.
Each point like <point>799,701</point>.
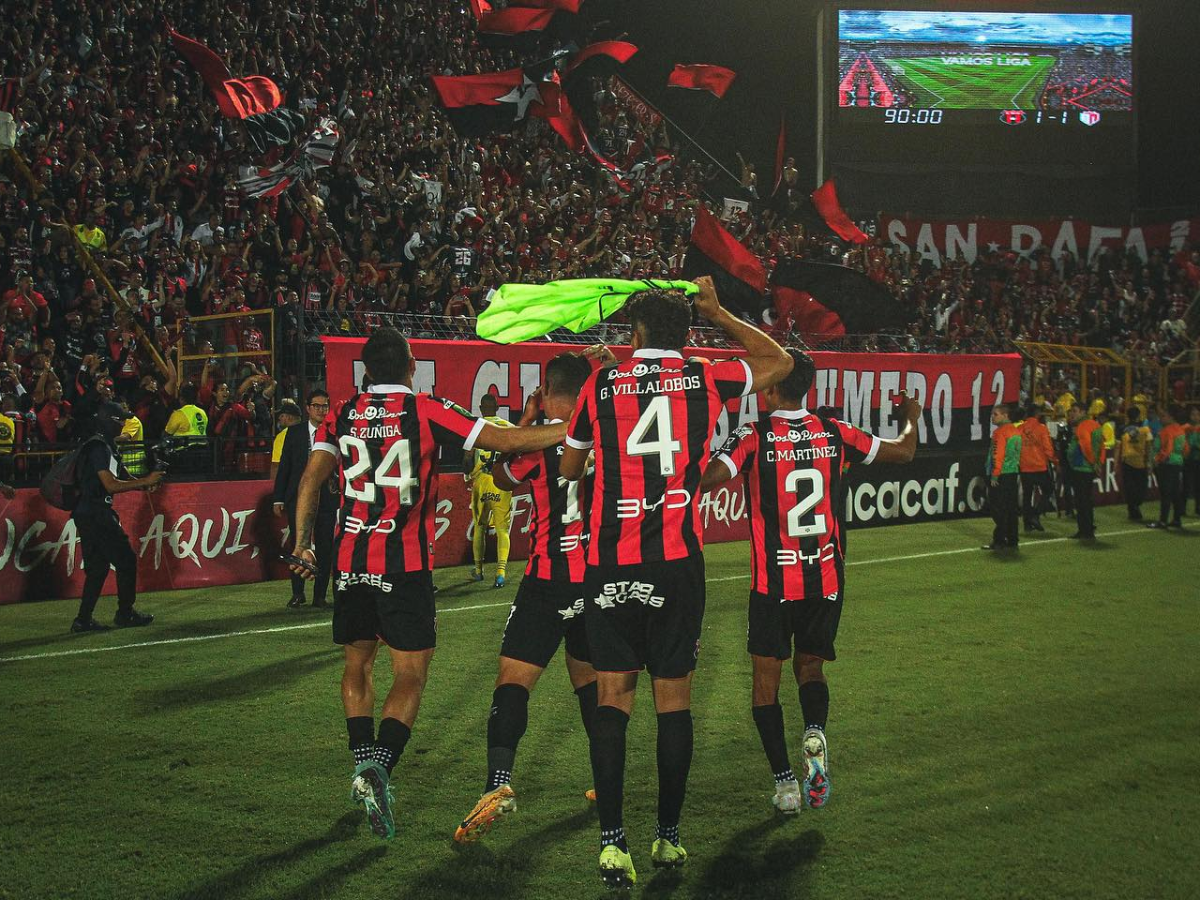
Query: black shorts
<point>544,614</point>
<point>646,616</point>
<point>813,623</point>
<point>397,609</point>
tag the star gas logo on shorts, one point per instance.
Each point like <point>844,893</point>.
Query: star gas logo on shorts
<point>619,591</point>
<point>347,579</point>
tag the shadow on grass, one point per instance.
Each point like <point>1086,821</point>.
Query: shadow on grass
<point>750,867</point>
<point>243,881</point>
<point>243,683</point>
<point>475,871</point>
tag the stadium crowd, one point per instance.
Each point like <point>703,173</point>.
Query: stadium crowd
<point>128,154</point>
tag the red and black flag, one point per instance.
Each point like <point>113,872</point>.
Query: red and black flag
<point>496,101</point>
<point>620,51</point>
<point>237,98</point>
<point>714,79</point>
<point>825,299</point>
<point>514,21</point>
<point>825,202</point>
<point>739,277</point>
<point>277,128</point>
<point>480,8</point>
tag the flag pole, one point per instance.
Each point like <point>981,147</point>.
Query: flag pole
<point>686,136</point>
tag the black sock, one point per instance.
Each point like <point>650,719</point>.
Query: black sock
<point>587,705</point>
<point>608,764</point>
<point>506,726</point>
<point>814,703</point>
<point>393,735</point>
<point>674,763</point>
<point>769,720</point>
<point>362,737</point>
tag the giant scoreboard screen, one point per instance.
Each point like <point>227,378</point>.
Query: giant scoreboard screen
<point>981,88</point>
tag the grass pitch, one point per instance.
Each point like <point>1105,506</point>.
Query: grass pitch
<point>1019,727</point>
<point>940,85</point>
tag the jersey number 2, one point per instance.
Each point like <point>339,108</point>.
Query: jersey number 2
<point>397,458</point>
<point>791,484</point>
<point>657,417</point>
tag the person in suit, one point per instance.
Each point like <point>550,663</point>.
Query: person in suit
<point>293,458</point>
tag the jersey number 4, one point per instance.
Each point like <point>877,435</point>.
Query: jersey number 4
<point>656,418</point>
<point>796,528</point>
<point>395,470</point>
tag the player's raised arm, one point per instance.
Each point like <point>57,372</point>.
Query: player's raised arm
<point>769,363</point>
<point>903,448</point>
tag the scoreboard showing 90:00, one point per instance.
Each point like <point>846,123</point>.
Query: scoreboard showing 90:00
<point>914,90</point>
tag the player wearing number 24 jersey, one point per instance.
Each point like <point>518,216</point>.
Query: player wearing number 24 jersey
<point>650,421</point>
<point>386,440</point>
<point>793,463</point>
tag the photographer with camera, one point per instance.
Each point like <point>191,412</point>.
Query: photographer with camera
<point>99,475</point>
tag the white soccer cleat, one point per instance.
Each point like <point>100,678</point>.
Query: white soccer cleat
<point>787,797</point>
<point>816,769</point>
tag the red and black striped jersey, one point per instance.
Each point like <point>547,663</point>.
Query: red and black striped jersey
<point>387,442</point>
<point>650,420</point>
<point>793,461</point>
<point>556,545</point>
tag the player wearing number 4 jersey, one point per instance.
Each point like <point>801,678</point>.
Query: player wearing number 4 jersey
<point>650,420</point>
<point>793,463</point>
<point>386,441</point>
<point>548,609</point>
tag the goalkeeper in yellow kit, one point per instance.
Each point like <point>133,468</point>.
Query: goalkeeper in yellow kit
<point>490,506</point>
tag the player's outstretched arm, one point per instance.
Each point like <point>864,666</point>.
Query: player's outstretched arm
<point>521,439</point>
<point>316,473</point>
<point>769,363</point>
<point>715,475</point>
<point>903,448</point>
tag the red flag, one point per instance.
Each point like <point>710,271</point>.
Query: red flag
<point>480,8</point>
<point>495,101</point>
<point>571,6</point>
<point>714,79</point>
<point>515,20</point>
<point>621,51</point>
<point>780,145</point>
<point>799,311</point>
<point>825,201</point>
<point>236,97</point>
<point>738,275</point>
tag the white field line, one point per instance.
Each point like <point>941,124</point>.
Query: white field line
<point>211,637</point>
<point>1027,545</point>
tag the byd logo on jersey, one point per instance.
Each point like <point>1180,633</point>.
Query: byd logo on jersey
<point>571,542</point>
<point>799,557</point>
<point>633,507</point>
<point>619,591</point>
<point>354,525</point>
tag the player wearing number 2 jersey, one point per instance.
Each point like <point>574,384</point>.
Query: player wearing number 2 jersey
<point>793,463</point>
<point>386,440</point>
<point>649,421</point>
<point>548,609</point>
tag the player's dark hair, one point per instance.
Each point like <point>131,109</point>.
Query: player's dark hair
<point>387,356</point>
<point>314,394</point>
<point>187,394</point>
<point>566,374</point>
<point>800,380</point>
<point>663,317</point>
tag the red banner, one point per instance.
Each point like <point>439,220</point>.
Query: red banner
<point>967,240</point>
<point>644,112</point>
<point>957,392</point>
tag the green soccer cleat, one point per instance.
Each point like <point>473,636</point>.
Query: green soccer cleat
<point>665,855</point>
<point>499,582</point>
<point>616,868</point>
<point>816,769</point>
<point>372,789</point>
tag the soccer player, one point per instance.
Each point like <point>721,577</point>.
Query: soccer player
<point>793,462</point>
<point>548,609</point>
<point>490,506</point>
<point>386,440</point>
<point>650,420</point>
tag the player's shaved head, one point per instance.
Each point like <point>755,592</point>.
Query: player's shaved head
<point>387,357</point>
<point>796,386</point>
<point>566,375</point>
<point>661,319</point>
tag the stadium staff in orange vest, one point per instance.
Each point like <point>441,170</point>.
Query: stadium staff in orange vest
<point>1171,448</point>
<point>1037,456</point>
<point>1085,456</point>
<point>1004,466</point>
